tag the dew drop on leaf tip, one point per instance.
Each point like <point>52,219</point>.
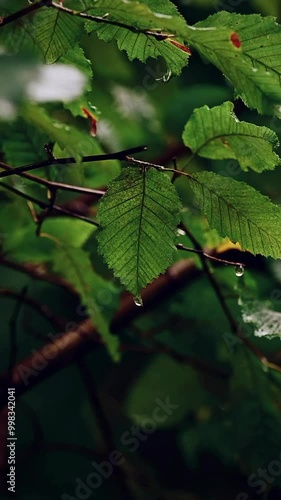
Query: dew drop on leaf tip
<point>239,270</point>
<point>138,301</point>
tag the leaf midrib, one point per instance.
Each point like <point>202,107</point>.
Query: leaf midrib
<point>139,227</point>
<point>229,135</point>
<point>240,214</point>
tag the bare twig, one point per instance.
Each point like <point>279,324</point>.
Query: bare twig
<point>158,34</point>
<point>104,425</point>
<point>120,155</point>
<point>208,256</point>
<point>47,211</point>
<point>51,184</point>
<point>24,12</point>
<point>42,309</point>
<point>37,272</point>
<point>157,347</point>
<point>232,322</point>
<point>43,204</point>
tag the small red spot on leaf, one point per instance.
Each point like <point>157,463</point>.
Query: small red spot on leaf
<point>93,121</point>
<point>235,39</point>
<point>185,48</point>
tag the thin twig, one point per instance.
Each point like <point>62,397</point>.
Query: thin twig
<point>232,322</point>
<point>43,204</point>
<point>37,272</point>
<point>157,347</point>
<point>104,427</point>
<point>208,256</point>
<point>147,164</point>
<point>158,34</point>
<point>120,155</point>
<point>52,184</point>
<point>43,310</point>
<point>47,211</point>
<point>97,407</point>
<point>24,12</point>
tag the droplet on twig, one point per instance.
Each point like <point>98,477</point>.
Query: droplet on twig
<point>165,78</point>
<point>239,270</point>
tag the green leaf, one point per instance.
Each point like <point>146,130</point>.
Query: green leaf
<point>75,266</point>
<point>76,57</point>
<point>253,402</point>
<point>218,134</point>
<point>73,232</point>
<point>22,78</point>
<point>165,380</point>
<point>22,143</point>
<point>256,71</point>
<point>240,212</point>
<point>138,217</point>
<point>147,15</point>
<point>48,31</point>
<point>56,130</point>
<point>70,141</point>
<point>17,232</point>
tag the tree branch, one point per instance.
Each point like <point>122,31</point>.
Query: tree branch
<point>67,347</point>
<point>37,272</point>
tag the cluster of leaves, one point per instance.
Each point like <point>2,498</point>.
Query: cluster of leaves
<point>46,45</point>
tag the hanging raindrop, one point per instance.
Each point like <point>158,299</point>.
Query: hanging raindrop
<point>239,270</point>
<point>138,301</point>
<point>165,78</point>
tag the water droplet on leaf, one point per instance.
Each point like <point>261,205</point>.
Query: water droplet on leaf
<point>239,270</point>
<point>138,301</point>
